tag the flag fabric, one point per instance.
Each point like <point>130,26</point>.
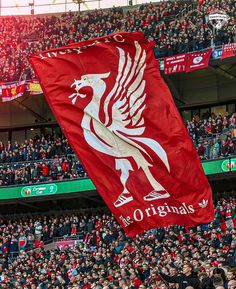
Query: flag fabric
<point>12,91</point>
<point>35,88</point>
<point>118,114</point>
<point>175,64</point>
<point>228,50</point>
<point>198,60</point>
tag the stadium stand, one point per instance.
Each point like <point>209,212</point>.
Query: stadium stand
<point>163,22</point>
<point>39,160</point>
<point>106,258</point>
<point>213,136</point>
<point>52,159</point>
<point>88,249</point>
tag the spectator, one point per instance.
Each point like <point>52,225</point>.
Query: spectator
<point>232,284</point>
<point>188,278</point>
<point>231,275</point>
<point>22,242</point>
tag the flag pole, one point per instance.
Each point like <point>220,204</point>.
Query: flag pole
<point>147,260</point>
<point>140,250</point>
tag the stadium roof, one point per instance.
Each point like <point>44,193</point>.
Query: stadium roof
<point>24,7</point>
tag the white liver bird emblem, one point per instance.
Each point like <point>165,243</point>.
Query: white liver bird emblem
<point>120,134</point>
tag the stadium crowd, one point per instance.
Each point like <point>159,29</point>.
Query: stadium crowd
<point>214,135</point>
<point>101,255</point>
<point>38,160</point>
<point>34,149</point>
<point>105,258</point>
<point>164,22</point>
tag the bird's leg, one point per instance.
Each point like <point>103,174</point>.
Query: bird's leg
<point>124,166</point>
<point>158,191</point>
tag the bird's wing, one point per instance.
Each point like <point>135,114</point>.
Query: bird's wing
<point>127,97</point>
<point>124,105</point>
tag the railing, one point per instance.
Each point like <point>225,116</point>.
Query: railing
<point>53,242</point>
<point>30,162</point>
<point>213,136</point>
<point>78,236</point>
<point>97,210</point>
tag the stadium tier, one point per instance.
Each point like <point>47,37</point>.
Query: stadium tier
<point>56,231</point>
<point>51,158</point>
<point>47,159</point>
<point>162,22</point>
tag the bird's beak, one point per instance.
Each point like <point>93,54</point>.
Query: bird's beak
<point>78,85</point>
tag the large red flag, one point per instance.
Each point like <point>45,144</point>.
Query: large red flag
<point>118,114</point>
<point>198,60</point>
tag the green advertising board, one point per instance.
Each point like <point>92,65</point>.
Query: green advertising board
<point>219,166</point>
<point>83,185</point>
<point>40,190</point>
